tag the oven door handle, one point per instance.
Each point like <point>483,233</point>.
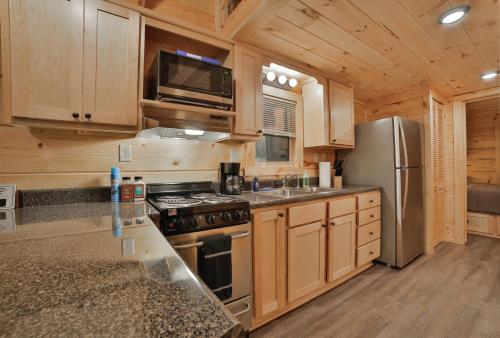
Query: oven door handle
<point>242,312</point>
<point>236,235</point>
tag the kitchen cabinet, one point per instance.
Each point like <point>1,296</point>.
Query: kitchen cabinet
<point>341,246</point>
<point>268,262</point>
<point>329,112</point>
<point>111,59</point>
<point>74,61</point>
<point>306,259</point>
<point>248,92</point>
<point>341,105</point>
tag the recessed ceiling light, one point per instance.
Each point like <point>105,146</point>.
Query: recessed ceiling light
<point>453,15</point>
<point>282,79</point>
<point>270,76</point>
<point>489,75</point>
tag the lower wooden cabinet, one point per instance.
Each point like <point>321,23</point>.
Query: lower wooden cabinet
<point>268,262</point>
<point>486,224</point>
<point>306,259</point>
<point>341,246</point>
<point>368,252</point>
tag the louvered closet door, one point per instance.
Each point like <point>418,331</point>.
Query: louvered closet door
<point>438,173</point>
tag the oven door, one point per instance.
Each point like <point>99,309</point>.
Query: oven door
<point>241,255</point>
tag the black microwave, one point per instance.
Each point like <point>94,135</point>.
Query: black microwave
<point>182,79</point>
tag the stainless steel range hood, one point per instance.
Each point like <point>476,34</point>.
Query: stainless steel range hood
<point>175,123</point>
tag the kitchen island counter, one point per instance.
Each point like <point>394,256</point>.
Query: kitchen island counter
<point>100,269</point>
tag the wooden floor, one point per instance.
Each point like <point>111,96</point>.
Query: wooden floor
<point>453,293</point>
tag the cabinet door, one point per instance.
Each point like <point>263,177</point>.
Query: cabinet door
<point>111,64</point>
<point>341,246</point>
<point>341,103</point>
<point>268,262</point>
<point>306,260</point>
<point>248,92</point>
<point>46,58</point>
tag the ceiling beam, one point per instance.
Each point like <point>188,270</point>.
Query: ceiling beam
<point>249,17</point>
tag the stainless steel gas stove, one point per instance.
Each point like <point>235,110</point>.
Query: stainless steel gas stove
<point>189,213</point>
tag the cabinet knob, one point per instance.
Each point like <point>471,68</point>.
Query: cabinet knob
<point>323,225</point>
<point>334,140</point>
<point>370,233</point>
<point>259,131</point>
<point>281,214</point>
<point>371,201</point>
<point>371,253</point>
<point>332,223</point>
<point>371,216</point>
<point>75,115</point>
<point>88,115</point>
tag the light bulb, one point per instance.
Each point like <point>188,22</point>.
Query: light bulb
<point>489,75</point>
<point>292,82</point>
<point>194,132</point>
<point>270,76</point>
<point>282,79</point>
<point>453,15</point>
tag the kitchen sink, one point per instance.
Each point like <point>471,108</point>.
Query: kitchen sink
<point>292,192</point>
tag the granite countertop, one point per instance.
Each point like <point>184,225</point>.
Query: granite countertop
<point>73,270</point>
<point>260,200</point>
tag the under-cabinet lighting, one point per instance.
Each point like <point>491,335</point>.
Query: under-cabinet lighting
<point>270,76</point>
<point>282,79</point>
<point>194,132</point>
<point>453,15</point>
<point>489,75</point>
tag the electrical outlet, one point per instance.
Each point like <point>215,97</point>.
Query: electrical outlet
<point>125,153</point>
<point>128,247</point>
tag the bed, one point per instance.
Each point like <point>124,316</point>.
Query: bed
<point>483,209</point>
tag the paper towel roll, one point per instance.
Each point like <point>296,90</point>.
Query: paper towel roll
<point>324,175</point>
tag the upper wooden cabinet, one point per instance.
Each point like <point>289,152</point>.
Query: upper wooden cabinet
<point>46,58</point>
<point>248,92</point>
<point>111,64</point>
<point>341,104</point>
<point>328,115</point>
<point>74,61</point>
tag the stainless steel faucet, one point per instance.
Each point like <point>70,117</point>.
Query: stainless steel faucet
<point>288,178</point>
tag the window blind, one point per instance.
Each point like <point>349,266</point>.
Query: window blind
<point>278,116</point>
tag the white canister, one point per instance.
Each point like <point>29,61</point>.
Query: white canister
<point>325,175</point>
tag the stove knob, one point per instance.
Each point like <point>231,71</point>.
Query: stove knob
<point>210,219</point>
<point>225,217</point>
<point>236,215</point>
<point>194,222</point>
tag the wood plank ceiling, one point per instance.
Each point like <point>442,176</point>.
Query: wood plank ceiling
<point>386,46</point>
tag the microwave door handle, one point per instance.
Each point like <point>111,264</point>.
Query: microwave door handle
<point>198,244</point>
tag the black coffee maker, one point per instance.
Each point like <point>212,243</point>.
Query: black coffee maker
<point>231,183</point>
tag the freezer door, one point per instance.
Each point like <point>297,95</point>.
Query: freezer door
<point>407,138</point>
<point>409,215</point>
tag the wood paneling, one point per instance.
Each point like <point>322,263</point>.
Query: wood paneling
<point>388,46</point>
<point>483,134</point>
<point>49,159</point>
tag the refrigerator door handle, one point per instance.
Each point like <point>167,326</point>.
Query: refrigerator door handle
<point>403,141</point>
<point>406,174</point>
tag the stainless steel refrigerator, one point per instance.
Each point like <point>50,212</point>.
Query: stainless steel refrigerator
<point>388,153</point>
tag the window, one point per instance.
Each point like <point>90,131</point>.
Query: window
<point>279,150</point>
<point>279,127</point>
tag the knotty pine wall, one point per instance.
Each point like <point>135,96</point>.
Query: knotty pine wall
<point>483,141</point>
<point>41,159</point>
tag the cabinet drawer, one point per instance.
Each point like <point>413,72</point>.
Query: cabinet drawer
<point>304,214</point>
<point>341,207</point>
<point>368,215</point>
<point>368,200</point>
<point>481,223</point>
<point>368,233</point>
<point>368,252</point>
